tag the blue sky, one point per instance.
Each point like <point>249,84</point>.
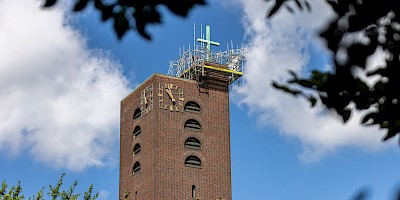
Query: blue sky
<point>62,76</point>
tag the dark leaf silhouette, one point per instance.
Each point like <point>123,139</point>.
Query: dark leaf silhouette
<point>361,195</point>
<point>278,4</point>
<point>339,89</point>
<point>312,100</point>
<point>133,15</point>
<point>49,3</point>
<point>286,89</point>
<point>80,5</point>
<point>121,24</point>
<point>345,114</point>
<point>299,4</point>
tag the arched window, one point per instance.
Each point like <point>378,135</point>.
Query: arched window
<point>193,161</point>
<point>137,113</point>
<point>192,125</point>
<point>136,149</point>
<point>192,106</point>
<point>192,143</point>
<point>136,168</point>
<point>136,132</point>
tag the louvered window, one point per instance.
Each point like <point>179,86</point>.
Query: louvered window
<point>193,161</point>
<point>136,168</point>
<point>136,132</point>
<point>192,106</point>
<point>192,125</point>
<point>136,149</point>
<point>192,143</point>
<point>137,113</point>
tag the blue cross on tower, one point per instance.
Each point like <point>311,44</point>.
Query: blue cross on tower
<point>208,41</point>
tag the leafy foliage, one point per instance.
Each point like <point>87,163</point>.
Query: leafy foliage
<point>55,192</point>
<point>379,24</point>
<point>13,193</point>
<point>133,14</point>
<point>301,4</point>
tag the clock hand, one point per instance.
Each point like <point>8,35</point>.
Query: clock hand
<point>170,94</point>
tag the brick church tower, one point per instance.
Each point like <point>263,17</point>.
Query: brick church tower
<point>175,138</point>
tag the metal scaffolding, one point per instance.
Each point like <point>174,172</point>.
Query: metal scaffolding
<point>199,62</point>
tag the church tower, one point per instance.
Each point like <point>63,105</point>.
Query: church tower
<point>175,137</point>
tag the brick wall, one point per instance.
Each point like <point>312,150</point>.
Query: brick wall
<point>163,173</point>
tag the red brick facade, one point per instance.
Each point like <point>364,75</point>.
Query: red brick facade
<point>163,174</point>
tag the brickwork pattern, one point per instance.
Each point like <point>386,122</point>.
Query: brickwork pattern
<point>163,174</point>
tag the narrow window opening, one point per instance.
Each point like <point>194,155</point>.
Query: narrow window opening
<point>192,143</point>
<point>192,125</point>
<point>136,168</point>
<point>137,131</point>
<point>135,195</point>
<point>193,161</point>
<point>193,191</point>
<point>137,113</point>
<point>136,149</point>
<point>192,106</point>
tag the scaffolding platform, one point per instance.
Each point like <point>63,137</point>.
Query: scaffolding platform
<point>199,63</point>
<point>212,71</point>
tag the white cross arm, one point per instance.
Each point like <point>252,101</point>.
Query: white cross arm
<point>207,41</point>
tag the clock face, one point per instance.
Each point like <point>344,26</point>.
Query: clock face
<point>146,99</point>
<point>170,97</point>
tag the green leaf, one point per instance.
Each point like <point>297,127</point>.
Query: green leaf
<point>39,195</point>
<point>3,188</point>
<point>126,194</point>
<point>88,194</point>
<point>55,191</point>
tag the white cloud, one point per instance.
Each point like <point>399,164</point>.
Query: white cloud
<point>59,100</point>
<point>104,194</point>
<point>280,44</point>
